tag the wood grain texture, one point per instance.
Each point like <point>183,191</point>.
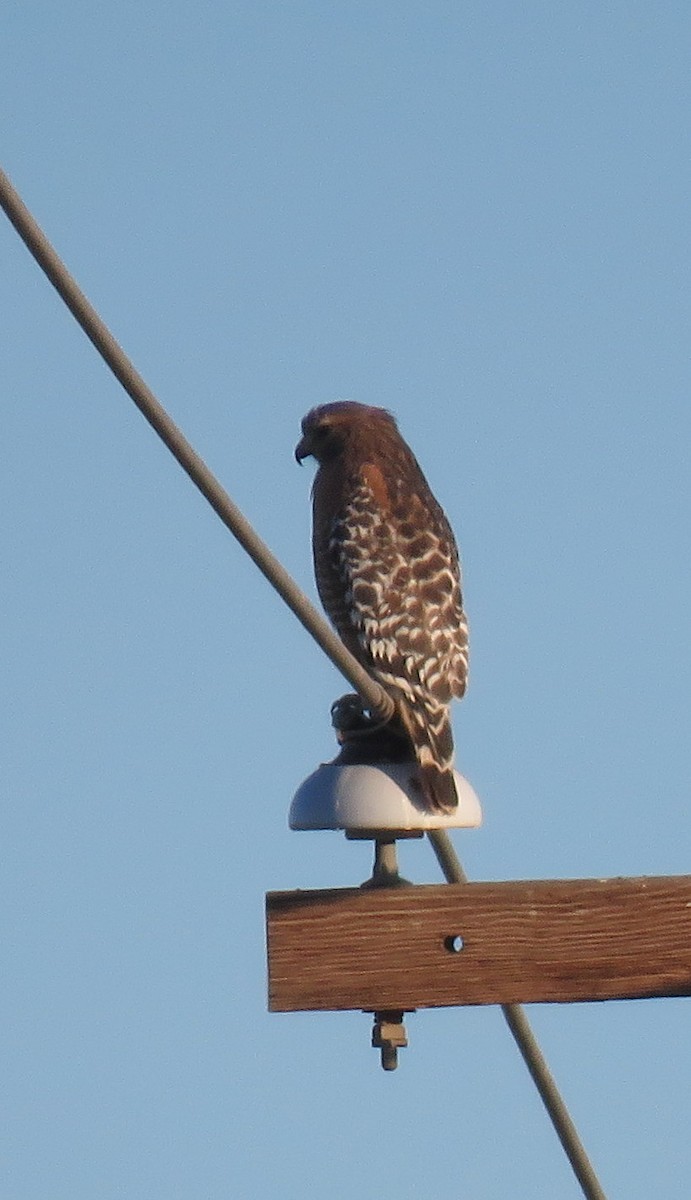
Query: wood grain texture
<point>523,942</point>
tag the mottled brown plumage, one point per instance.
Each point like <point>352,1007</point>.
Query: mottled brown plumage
<point>388,576</point>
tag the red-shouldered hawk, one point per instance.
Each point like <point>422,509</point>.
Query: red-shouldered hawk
<point>387,572</point>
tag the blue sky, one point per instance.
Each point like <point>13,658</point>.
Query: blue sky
<point>475,215</point>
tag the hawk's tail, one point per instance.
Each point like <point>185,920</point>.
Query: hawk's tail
<point>429,730</point>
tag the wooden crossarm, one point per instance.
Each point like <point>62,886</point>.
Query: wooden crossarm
<point>479,943</point>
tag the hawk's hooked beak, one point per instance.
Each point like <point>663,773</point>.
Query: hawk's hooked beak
<point>303,449</point>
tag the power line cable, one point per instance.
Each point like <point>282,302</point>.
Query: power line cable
<point>519,1025</point>
<point>139,391</point>
<point>372,694</point>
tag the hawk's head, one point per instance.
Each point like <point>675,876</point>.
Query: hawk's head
<point>327,428</point>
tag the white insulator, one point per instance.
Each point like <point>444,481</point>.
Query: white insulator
<point>375,797</point>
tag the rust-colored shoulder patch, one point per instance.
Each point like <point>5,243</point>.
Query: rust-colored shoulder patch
<point>374,479</point>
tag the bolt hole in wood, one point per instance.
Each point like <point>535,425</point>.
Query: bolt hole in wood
<point>453,942</point>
